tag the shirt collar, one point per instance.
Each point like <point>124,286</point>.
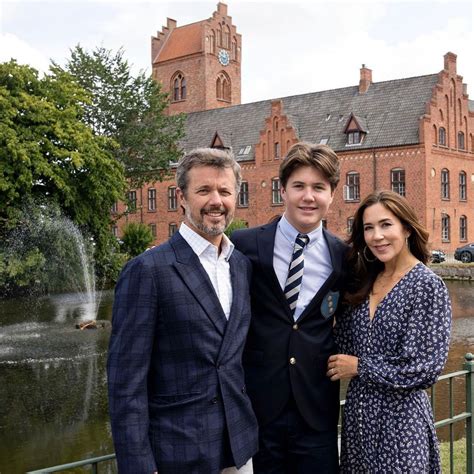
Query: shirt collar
<point>199,244</point>
<point>290,233</point>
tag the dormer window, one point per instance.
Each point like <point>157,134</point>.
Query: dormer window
<point>354,138</point>
<point>355,130</point>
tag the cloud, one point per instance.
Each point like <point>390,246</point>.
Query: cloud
<point>13,47</point>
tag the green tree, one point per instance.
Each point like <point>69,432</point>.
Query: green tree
<point>234,225</point>
<point>49,155</point>
<point>129,109</point>
<point>136,238</point>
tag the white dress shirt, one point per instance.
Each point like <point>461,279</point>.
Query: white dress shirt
<point>317,261</point>
<point>216,265</point>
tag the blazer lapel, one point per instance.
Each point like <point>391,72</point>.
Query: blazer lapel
<point>196,279</point>
<point>266,243</point>
<point>239,292</point>
<point>336,260</point>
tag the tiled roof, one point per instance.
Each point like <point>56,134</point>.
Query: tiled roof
<point>181,42</point>
<point>390,110</point>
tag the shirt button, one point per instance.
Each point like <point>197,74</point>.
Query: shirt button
<point>295,327</point>
<point>292,361</point>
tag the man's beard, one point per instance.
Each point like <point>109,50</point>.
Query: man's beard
<point>212,230</point>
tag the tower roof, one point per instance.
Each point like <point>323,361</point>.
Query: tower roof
<point>182,41</point>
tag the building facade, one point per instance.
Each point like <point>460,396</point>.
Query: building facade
<point>412,135</point>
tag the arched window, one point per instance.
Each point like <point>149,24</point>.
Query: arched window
<point>223,87</point>
<point>461,143</point>
<point>463,228</point>
<point>397,178</point>
<point>462,186</point>
<point>444,184</point>
<point>219,35</point>
<point>179,87</point>
<point>445,228</point>
<point>212,39</point>
<point>442,136</point>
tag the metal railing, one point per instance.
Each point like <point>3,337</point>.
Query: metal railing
<point>465,416</point>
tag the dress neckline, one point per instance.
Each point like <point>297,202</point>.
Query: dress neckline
<point>371,318</point>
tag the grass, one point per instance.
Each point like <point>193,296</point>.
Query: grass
<point>459,448</point>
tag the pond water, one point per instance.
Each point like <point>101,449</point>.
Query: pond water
<point>53,388</point>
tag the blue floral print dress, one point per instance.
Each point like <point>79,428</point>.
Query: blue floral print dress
<point>388,422</point>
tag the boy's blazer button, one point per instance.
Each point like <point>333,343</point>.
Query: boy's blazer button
<point>243,390</point>
<point>214,400</point>
<point>292,361</point>
<point>295,327</point>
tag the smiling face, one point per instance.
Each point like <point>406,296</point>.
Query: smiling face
<point>307,196</point>
<point>210,201</point>
<point>384,234</point>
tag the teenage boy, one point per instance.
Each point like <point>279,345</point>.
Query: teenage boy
<point>297,273</point>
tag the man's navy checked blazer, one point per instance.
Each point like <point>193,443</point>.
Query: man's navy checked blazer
<point>177,396</point>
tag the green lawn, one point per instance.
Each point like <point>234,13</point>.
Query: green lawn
<point>459,447</point>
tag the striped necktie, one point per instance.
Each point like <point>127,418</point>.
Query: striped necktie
<point>295,273</point>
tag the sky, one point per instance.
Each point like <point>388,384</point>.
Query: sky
<point>288,48</point>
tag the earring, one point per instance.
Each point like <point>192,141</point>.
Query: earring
<point>364,252</point>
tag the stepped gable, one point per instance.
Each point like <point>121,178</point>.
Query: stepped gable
<point>390,112</point>
<point>182,41</point>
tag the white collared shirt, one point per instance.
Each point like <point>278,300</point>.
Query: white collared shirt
<point>216,265</point>
<point>317,261</point>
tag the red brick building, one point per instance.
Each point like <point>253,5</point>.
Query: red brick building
<point>413,135</point>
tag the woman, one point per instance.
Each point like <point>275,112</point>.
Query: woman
<point>393,339</point>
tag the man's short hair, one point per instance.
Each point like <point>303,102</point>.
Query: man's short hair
<point>321,157</point>
<point>215,157</point>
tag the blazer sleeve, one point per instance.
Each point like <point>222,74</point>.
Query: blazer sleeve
<point>425,342</point>
<point>131,345</point>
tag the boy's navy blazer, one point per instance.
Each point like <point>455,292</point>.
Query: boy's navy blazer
<point>176,383</point>
<point>284,357</point>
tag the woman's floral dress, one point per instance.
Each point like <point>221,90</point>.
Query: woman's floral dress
<point>388,423</point>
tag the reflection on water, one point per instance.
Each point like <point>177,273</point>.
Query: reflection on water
<point>53,402</point>
<point>53,391</point>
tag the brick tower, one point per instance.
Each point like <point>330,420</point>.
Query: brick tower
<point>199,64</point>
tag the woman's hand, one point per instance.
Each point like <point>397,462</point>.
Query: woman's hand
<point>342,366</point>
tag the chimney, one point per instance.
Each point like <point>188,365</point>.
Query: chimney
<point>450,63</point>
<point>222,8</point>
<point>365,79</point>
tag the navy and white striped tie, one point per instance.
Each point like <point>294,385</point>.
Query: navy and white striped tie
<point>295,273</point>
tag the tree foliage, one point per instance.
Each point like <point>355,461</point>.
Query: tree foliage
<point>235,225</point>
<point>136,238</point>
<point>129,109</point>
<point>49,155</point>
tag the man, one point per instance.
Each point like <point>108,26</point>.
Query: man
<point>178,401</point>
<point>297,272</point>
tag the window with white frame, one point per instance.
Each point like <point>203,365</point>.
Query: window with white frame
<point>444,184</point>
<point>463,228</point>
<point>244,194</point>
<point>172,199</point>
<point>352,188</point>
<point>397,178</point>
<point>445,228</point>
<point>276,196</point>
<point>462,186</point>
<point>152,199</point>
